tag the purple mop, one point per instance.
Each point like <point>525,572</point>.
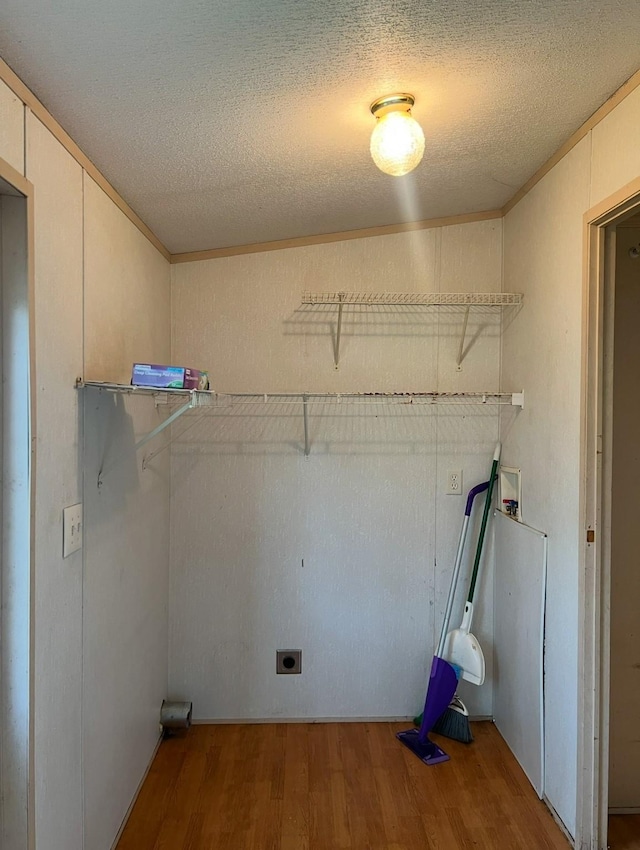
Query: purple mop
<point>443,679</point>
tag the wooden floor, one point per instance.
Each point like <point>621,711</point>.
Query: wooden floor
<point>624,832</point>
<point>334,786</point>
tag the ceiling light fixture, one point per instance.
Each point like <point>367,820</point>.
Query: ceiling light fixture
<point>397,140</point>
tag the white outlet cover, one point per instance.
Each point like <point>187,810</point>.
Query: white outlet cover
<point>71,529</point>
<point>454,482</point>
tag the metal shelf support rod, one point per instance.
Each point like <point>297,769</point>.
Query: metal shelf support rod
<point>462,338</point>
<point>305,414</point>
<point>158,430</point>
<point>147,460</point>
<point>339,330</point>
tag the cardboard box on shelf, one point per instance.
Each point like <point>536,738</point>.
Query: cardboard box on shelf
<point>168,377</point>
<point>194,379</point>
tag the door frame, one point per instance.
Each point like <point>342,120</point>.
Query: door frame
<point>25,188</point>
<point>595,515</point>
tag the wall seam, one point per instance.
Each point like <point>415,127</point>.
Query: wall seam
<point>170,535</point>
<point>590,168</point>
<point>81,406</point>
<point>31,795</point>
<point>2,746</point>
<point>434,567</point>
<point>24,139</point>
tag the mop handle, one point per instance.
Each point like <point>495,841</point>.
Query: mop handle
<point>475,491</point>
<point>483,527</point>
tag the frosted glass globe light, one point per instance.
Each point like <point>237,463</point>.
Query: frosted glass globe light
<point>397,140</point>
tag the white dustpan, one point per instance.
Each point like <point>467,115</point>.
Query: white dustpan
<point>463,649</point>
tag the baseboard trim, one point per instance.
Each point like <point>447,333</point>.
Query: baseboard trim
<point>558,819</point>
<point>135,796</point>
<point>624,810</point>
<point>248,721</point>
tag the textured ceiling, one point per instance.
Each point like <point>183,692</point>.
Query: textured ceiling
<point>226,122</point>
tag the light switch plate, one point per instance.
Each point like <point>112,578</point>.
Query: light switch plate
<point>71,529</point>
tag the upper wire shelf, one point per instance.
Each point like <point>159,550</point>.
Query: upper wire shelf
<point>411,299</point>
<point>426,299</point>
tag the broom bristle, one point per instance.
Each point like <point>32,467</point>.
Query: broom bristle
<point>454,724</point>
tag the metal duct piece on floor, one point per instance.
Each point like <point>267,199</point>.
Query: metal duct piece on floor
<point>175,715</point>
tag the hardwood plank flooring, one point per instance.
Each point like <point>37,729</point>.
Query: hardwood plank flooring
<point>335,786</point>
<point>624,832</point>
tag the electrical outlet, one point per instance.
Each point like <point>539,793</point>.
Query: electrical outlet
<point>454,482</point>
<point>71,529</point>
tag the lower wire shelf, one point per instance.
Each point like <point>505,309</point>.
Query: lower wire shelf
<point>183,401</point>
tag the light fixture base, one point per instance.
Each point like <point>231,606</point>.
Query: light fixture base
<point>392,103</point>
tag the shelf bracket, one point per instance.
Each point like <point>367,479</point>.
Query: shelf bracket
<point>158,430</point>
<point>336,359</point>
<point>165,424</point>
<point>462,339</point>
<point>305,415</point>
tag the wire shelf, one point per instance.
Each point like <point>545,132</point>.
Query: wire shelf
<point>213,399</point>
<point>205,401</point>
<point>427,299</point>
<point>410,299</point>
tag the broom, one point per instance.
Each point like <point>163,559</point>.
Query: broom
<point>452,714</point>
<point>454,721</point>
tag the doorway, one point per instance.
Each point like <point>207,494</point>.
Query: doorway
<point>17,433</point>
<point>624,664</point>
<point>609,707</point>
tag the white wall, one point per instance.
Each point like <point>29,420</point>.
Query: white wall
<point>624,745</point>
<point>543,253</point>
<point>543,242</point>
<point>125,611</point>
<point>366,511</point>
<point>615,156</point>
<point>125,608</point>
<point>102,297</point>
<point>126,296</point>
<point>58,585</point>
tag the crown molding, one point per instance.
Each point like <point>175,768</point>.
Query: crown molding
<point>13,81</point>
<point>342,236</point>
<point>607,107</point>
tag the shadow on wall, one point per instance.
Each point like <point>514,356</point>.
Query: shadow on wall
<point>396,320</point>
<point>414,322</point>
<point>347,428</point>
<point>110,439</point>
<point>469,324</point>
